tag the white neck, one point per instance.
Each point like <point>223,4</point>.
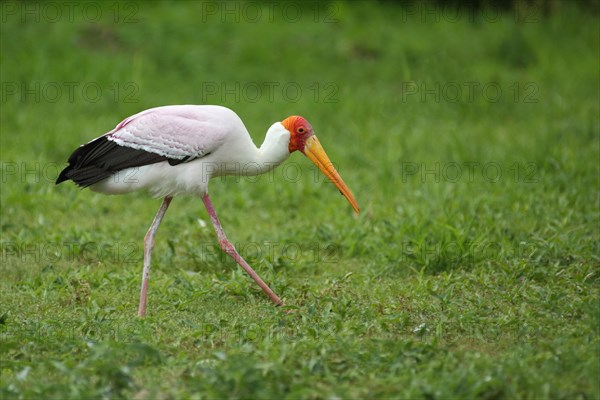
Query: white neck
<point>273,151</point>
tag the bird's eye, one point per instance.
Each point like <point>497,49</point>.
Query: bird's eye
<point>301,130</point>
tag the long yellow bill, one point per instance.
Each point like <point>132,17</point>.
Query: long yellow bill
<point>315,153</point>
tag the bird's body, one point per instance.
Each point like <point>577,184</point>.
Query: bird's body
<point>175,150</point>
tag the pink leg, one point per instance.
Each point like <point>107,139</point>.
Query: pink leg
<point>229,249</point>
<point>148,246</point>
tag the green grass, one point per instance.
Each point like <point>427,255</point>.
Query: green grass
<point>472,271</point>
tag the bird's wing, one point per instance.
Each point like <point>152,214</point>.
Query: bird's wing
<point>178,133</point>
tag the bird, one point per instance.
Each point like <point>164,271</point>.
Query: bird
<point>175,150</point>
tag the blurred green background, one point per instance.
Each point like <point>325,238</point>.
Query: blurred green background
<point>468,132</point>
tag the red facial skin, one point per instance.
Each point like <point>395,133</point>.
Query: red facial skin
<point>302,138</point>
<point>300,130</point>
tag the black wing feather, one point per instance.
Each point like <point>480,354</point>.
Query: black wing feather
<point>102,158</point>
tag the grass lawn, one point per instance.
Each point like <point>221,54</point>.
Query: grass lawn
<point>470,139</point>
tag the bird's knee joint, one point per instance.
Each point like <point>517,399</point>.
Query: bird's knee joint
<point>227,247</point>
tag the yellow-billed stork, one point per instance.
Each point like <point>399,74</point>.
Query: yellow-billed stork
<point>175,150</point>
